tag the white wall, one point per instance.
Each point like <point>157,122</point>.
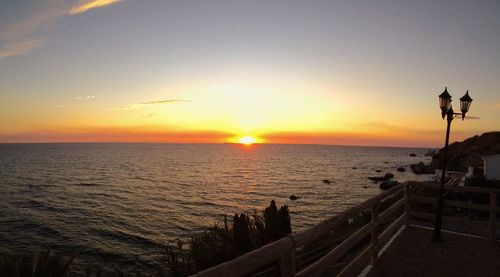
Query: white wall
<point>492,167</point>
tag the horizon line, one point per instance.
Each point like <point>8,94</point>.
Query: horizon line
<point>215,143</point>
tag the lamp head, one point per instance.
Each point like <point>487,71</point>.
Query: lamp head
<point>444,102</point>
<point>465,102</point>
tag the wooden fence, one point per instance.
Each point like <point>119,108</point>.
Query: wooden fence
<point>362,246</point>
<point>470,216</point>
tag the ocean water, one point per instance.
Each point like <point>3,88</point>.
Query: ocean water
<point>120,203</point>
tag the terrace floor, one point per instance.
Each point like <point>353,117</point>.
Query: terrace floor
<point>413,254</point>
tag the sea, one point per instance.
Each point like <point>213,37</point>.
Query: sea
<point>119,204</point>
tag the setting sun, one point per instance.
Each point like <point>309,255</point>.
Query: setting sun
<point>247,140</point>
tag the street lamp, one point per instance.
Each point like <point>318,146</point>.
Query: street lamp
<point>447,111</point>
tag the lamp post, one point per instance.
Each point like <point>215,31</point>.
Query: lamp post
<point>447,111</point>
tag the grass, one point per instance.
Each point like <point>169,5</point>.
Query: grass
<point>41,264</point>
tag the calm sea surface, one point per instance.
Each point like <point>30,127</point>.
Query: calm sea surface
<point>120,203</point>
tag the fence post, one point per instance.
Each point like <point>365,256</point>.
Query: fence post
<point>493,215</point>
<point>287,264</point>
<point>407,203</point>
<point>374,235</point>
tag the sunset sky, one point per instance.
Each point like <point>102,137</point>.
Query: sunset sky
<point>325,72</point>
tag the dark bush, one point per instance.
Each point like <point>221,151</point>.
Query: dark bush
<point>217,244</point>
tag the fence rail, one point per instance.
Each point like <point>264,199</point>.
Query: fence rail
<point>491,208</point>
<point>373,234</point>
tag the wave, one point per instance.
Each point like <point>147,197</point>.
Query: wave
<point>38,228</point>
<point>127,238</point>
<point>86,184</point>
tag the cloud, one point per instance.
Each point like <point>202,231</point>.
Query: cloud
<point>130,134</point>
<point>84,6</point>
<point>140,105</point>
<point>127,107</point>
<point>20,48</point>
<point>415,139</point>
<point>165,102</point>
<point>87,97</point>
<point>24,29</point>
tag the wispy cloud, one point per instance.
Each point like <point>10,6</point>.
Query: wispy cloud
<point>30,28</point>
<point>87,97</point>
<point>140,105</point>
<point>131,134</point>
<point>20,48</point>
<point>165,102</point>
<point>84,6</point>
<point>25,31</point>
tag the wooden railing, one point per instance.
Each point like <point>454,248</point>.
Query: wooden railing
<point>363,245</point>
<point>468,210</point>
<point>284,251</point>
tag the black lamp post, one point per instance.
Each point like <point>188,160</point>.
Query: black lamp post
<point>447,111</point>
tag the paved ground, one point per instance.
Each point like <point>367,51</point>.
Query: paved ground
<point>413,254</point>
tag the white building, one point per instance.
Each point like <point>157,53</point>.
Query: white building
<point>492,167</point>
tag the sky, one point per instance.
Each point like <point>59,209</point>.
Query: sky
<point>315,72</point>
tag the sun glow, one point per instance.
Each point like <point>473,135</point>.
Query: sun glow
<point>247,140</point>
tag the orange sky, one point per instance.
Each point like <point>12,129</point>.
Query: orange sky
<point>137,136</point>
<point>346,73</point>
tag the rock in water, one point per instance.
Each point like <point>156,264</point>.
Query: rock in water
<point>401,169</point>
<point>430,153</point>
<point>294,197</point>
<point>386,177</point>
<point>378,170</point>
<point>412,155</point>
<point>378,179</point>
<point>388,184</point>
<point>421,168</point>
<point>326,181</point>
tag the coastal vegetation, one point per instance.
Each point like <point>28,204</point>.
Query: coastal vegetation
<point>218,243</point>
<point>41,264</point>
<point>469,152</point>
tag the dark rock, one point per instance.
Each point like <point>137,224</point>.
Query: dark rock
<point>294,197</point>
<point>421,168</point>
<point>401,169</point>
<point>378,170</point>
<point>430,153</point>
<point>412,155</point>
<point>388,184</point>
<point>378,179</point>
<point>354,167</point>
<point>386,177</point>
<point>326,181</point>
